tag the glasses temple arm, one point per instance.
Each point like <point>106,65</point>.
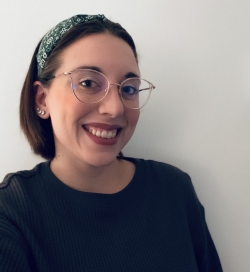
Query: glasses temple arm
<point>151,88</point>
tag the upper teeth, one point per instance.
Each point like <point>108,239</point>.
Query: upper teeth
<point>107,134</point>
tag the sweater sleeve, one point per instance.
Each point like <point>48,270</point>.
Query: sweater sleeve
<point>13,255</point>
<point>206,255</point>
<point>14,251</point>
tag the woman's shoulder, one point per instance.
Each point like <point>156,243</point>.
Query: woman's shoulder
<point>162,175</point>
<point>166,182</point>
<point>20,193</point>
<point>14,183</point>
<point>159,169</point>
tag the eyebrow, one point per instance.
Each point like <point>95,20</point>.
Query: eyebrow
<point>95,68</point>
<point>131,74</point>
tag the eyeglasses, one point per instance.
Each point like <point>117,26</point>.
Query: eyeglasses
<point>90,86</point>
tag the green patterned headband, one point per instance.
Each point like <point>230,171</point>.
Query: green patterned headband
<point>51,39</point>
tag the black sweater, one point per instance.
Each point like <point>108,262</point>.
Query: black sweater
<point>155,224</point>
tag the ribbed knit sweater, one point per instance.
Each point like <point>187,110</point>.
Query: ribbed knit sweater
<point>156,223</point>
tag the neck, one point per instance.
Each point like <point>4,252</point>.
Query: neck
<point>107,179</point>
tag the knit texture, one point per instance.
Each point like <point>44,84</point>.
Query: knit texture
<point>156,223</point>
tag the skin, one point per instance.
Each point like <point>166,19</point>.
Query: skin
<point>80,162</point>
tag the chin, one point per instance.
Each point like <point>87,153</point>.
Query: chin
<point>101,160</point>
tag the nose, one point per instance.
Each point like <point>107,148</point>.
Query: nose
<point>112,104</point>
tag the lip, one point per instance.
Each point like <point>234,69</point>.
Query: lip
<point>102,126</point>
<point>99,140</point>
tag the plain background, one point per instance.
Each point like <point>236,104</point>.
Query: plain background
<point>197,53</point>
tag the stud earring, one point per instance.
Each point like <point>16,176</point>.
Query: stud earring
<point>40,111</point>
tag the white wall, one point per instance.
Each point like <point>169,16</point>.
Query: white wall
<point>197,53</point>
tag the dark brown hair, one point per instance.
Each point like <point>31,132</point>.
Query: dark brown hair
<point>38,131</point>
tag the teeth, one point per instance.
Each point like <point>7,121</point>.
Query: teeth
<point>110,135</point>
<point>104,133</point>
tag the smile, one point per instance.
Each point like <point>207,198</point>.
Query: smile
<point>101,133</point>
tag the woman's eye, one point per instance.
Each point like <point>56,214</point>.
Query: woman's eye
<point>88,83</point>
<point>129,90</point>
<point>89,86</point>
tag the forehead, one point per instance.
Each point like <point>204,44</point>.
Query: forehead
<point>102,50</point>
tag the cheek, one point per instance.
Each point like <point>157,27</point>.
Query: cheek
<point>132,117</point>
<point>62,103</point>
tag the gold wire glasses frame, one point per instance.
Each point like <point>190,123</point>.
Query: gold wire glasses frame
<point>90,87</point>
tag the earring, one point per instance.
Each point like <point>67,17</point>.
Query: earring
<point>40,111</point>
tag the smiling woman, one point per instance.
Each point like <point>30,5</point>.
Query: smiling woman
<point>88,208</point>
<point>79,128</point>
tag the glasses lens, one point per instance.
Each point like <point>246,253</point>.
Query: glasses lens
<point>89,86</point>
<point>135,92</point>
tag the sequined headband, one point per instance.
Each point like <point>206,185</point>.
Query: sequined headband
<point>51,39</point>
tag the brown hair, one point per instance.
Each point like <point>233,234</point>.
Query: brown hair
<point>38,131</point>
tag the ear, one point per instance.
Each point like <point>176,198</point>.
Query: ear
<point>41,94</point>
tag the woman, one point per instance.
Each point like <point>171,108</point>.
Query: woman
<point>88,208</point>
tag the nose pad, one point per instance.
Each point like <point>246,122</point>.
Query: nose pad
<point>112,104</point>
<point>117,85</point>
<point>117,89</point>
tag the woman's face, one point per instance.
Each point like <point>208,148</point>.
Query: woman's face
<point>73,121</point>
